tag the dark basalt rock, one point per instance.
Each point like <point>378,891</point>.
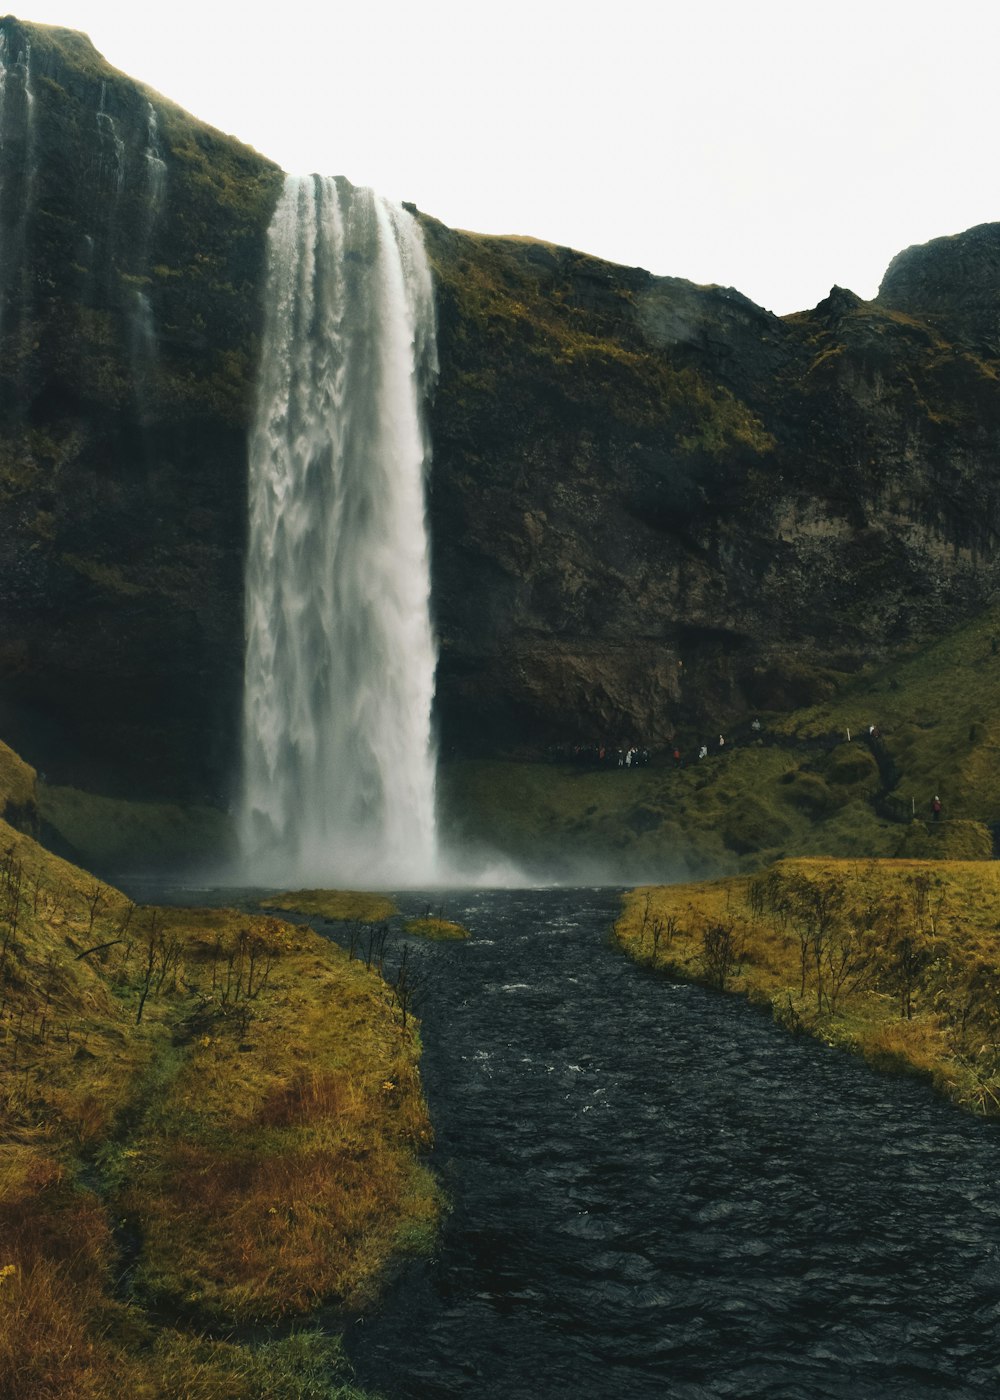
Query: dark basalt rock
<point>953,283</point>
<point>671,506</point>
<point>131,250</point>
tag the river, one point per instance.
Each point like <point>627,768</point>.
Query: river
<point>657,1192</point>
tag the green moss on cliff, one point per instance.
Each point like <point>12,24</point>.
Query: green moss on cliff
<point>522,300</point>
<point>799,787</point>
<point>112,835</point>
<point>720,815</point>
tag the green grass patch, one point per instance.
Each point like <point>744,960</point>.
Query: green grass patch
<point>808,785</point>
<point>354,906</point>
<point>113,834</point>
<point>437,929</point>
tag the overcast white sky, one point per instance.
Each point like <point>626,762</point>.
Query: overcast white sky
<point>778,146</point>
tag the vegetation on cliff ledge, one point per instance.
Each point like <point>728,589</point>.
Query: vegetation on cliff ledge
<point>518,307</point>
<point>209,1121</point>
<point>812,781</point>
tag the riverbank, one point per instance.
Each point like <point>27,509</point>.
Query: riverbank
<point>211,1133</point>
<point>896,960</point>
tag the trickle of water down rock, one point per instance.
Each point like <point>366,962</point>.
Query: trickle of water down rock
<point>340,655</point>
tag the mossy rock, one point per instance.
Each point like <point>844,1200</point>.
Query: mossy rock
<point>851,765</point>
<point>947,840</point>
<point>808,792</point>
<point>750,825</point>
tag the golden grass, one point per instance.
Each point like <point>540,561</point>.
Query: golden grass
<point>435,928</point>
<point>237,1093</point>
<point>898,960</point>
<point>280,1169</point>
<point>17,781</point>
<point>349,905</point>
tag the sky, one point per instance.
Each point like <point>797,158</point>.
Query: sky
<point>778,147</point>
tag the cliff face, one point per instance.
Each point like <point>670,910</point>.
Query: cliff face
<point>657,504</point>
<point>653,504</point>
<point>131,249</point>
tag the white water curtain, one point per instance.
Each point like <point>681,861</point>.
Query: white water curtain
<point>340,655</point>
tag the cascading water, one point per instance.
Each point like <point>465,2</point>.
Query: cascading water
<point>18,174</point>
<point>111,166</point>
<point>340,655</point>
<point>156,169</point>
<point>142,324</point>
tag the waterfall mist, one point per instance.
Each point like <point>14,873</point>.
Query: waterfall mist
<point>338,761</point>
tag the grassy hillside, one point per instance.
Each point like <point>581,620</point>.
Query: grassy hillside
<point>898,960</point>
<point>211,1126</point>
<point>938,714</point>
<point>799,786</point>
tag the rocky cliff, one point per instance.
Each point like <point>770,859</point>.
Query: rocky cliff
<point>131,249</point>
<point>654,505</point>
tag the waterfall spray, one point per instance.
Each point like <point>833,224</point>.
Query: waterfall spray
<point>340,658</point>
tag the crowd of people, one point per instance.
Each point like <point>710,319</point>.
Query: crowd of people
<point>600,755</point>
<point>631,755</point>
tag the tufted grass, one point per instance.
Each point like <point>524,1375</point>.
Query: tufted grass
<point>436,929</point>
<point>346,905</point>
<point>209,1121</point>
<point>947,913</point>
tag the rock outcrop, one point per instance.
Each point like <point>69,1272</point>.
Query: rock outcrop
<point>654,506</point>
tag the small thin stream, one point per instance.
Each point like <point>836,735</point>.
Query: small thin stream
<point>656,1192</point>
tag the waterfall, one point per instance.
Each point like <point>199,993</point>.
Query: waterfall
<point>108,140</point>
<point>156,169</point>
<point>340,656</point>
<point>142,323</point>
<point>18,176</point>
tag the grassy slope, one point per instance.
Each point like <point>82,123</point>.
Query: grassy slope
<point>800,790</point>
<point>937,710</point>
<point>246,1151</point>
<point>899,960</point>
<point>111,834</point>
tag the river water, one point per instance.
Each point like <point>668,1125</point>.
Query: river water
<point>656,1192</point>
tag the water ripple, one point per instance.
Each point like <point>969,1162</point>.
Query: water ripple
<point>658,1194</point>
